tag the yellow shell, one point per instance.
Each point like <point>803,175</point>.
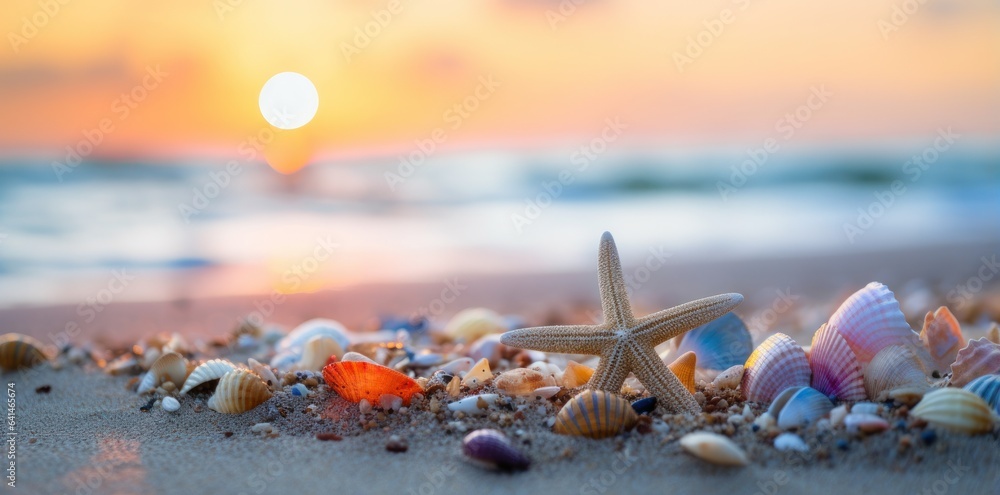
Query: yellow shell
<point>897,373</point>
<point>576,375</point>
<point>519,381</point>
<point>206,372</point>
<point>478,375</point>
<point>470,324</point>
<point>20,351</point>
<point>684,368</point>
<point>955,409</point>
<point>239,391</point>
<point>595,414</point>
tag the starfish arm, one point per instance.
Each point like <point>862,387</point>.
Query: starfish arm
<point>669,323</point>
<point>614,296</point>
<point>661,383</point>
<point>569,339</point>
<point>611,371</point>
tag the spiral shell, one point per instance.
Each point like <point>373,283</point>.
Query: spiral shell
<point>470,324</point>
<point>896,373</point>
<point>683,368</point>
<point>317,350</point>
<point>980,357</point>
<point>719,344</point>
<point>238,391</point>
<point>356,380</point>
<point>519,381</point>
<point>942,336</point>
<point>20,351</point>
<point>492,449</point>
<point>206,372</point>
<point>871,320</point>
<point>595,414</point>
<point>776,364</point>
<point>987,387</point>
<point>835,369</point>
<point>955,409</point>
<point>714,448</point>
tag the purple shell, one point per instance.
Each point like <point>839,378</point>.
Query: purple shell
<point>835,369</point>
<point>491,448</point>
<point>776,364</point>
<point>870,320</point>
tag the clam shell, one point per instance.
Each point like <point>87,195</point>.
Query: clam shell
<point>781,399</point>
<point>238,391</point>
<point>356,380</point>
<point>492,449</point>
<point>169,367</point>
<point>20,351</point>
<point>980,357</point>
<point>519,381</point>
<point>316,352</point>
<point>595,414</point>
<point>470,324</point>
<point>835,369</point>
<point>476,404</point>
<point>478,375</point>
<point>955,409</point>
<point>714,448</point>
<point>730,378</point>
<point>803,408</point>
<point>987,387</point>
<point>317,327</point>
<point>457,366</point>
<point>265,373</point>
<point>776,364</point>
<point>719,344</point>
<point>683,368</point>
<point>896,373</point>
<point>576,375</point>
<point>942,336</point>
<point>871,320</point>
<point>546,392</point>
<point>206,372</point>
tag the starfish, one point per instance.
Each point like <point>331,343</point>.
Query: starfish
<point>625,343</point>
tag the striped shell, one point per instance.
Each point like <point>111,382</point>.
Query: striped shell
<point>317,350</point>
<point>776,364</point>
<point>942,336</point>
<point>804,407</point>
<point>470,324</point>
<point>980,357</point>
<point>871,320</point>
<point>683,368</point>
<point>988,388</point>
<point>595,414</point>
<point>238,391</point>
<point>719,344</point>
<point>896,373</point>
<point>356,380</point>
<point>20,351</point>
<point>836,371</point>
<point>206,372</point>
<point>714,448</point>
<point>519,381</point>
<point>955,409</point>
<point>492,449</point>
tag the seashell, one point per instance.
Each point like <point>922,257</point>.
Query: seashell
<point>896,373</point>
<point>776,364</point>
<point>356,380</point>
<point>20,351</point>
<point>719,344</point>
<point>836,371</point>
<point>781,399</point>
<point>458,365</point>
<point>714,448</point>
<point>357,357</point>
<point>317,350</point>
<point>987,387</point>
<point>206,372</point>
<point>645,406</point>
<point>285,360</point>
<point>493,450</point>
<point>871,320</point>
<point>238,391</point>
<point>317,327</point>
<point>176,344</point>
<point>838,414</point>
<point>955,409</point>
<point>264,373</point>
<point>476,404</point>
<point>804,408</point>
<point>519,381</point>
<point>993,335</point>
<point>595,414</point>
<point>866,408</point>
<point>576,375</point>
<point>488,348</point>
<point>169,367</point>
<point>549,371</point>
<point>546,392</point>
<point>790,442</point>
<point>683,368</point>
<point>729,379</point>
<point>299,390</point>
<point>469,325</point>
<point>425,360</point>
<point>478,375</point>
<point>123,365</point>
<point>864,423</point>
<point>170,404</point>
<point>980,357</point>
<point>147,383</point>
<point>942,336</point>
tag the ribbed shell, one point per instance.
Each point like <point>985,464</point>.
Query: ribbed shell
<point>776,364</point>
<point>719,344</point>
<point>955,409</point>
<point>987,387</point>
<point>836,371</point>
<point>896,373</point>
<point>595,414</point>
<point>804,407</point>
<point>169,367</point>
<point>316,352</point>
<point>980,357</point>
<point>20,351</point>
<point>470,324</point>
<point>519,381</point>
<point>206,372</point>
<point>492,449</point>
<point>871,320</point>
<point>942,337</point>
<point>239,391</point>
<point>683,368</point>
<point>356,380</point>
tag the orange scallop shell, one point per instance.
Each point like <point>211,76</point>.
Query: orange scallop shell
<point>356,380</point>
<point>683,367</point>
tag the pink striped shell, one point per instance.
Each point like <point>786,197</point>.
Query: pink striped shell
<point>871,320</point>
<point>980,357</point>
<point>836,371</point>
<point>776,364</point>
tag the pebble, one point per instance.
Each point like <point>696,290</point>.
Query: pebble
<point>300,390</point>
<point>264,428</point>
<point>364,406</point>
<point>790,441</point>
<point>326,437</point>
<point>842,444</point>
<point>928,437</point>
<point>170,404</point>
<point>396,444</point>
<point>44,389</point>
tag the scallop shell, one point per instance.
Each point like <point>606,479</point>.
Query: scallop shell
<point>871,320</point>
<point>980,357</point>
<point>835,369</point>
<point>776,364</point>
<point>719,344</point>
<point>238,391</point>
<point>478,375</point>
<point>492,449</point>
<point>317,350</point>
<point>20,351</point>
<point>683,368</point>
<point>519,381</point>
<point>356,380</point>
<point>955,409</point>
<point>896,373</point>
<point>729,379</point>
<point>470,324</point>
<point>987,387</point>
<point>942,336</point>
<point>317,327</point>
<point>714,448</point>
<point>595,414</point>
<point>576,375</point>
<point>803,407</point>
<point>206,372</point>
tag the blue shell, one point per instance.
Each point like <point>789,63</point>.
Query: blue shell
<point>987,387</point>
<point>644,406</point>
<point>719,344</point>
<point>492,449</point>
<point>416,324</point>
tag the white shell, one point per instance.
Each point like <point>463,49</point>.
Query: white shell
<point>546,392</point>
<point>866,408</point>
<point>871,320</point>
<point>714,448</point>
<point>170,404</point>
<point>206,372</point>
<point>470,324</point>
<point>896,373</point>
<point>297,338</point>
<point>457,366</point>
<point>729,379</point>
<point>265,373</point>
<point>476,404</point>
<point>317,351</point>
<point>955,409</point>
<point>804,408</point>
<point>169,367</point>
<point>790,442</point>
<point>357,356</point>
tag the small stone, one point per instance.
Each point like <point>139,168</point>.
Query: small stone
<point>364,406</point>
<point>262,428</point>
<point>169,387</point>
<point>790,442</point>
<point>928,437</point>
<point>842,444</point>
<point>170,404</point>
<point>44,389</point>
<point>311,382</point>
<point>299,390</point>
<point>327,437</point>
<point>396,444</point>
<point>736,420</point>
<point>227,434</point>
<point>905,442</point>
<point>148,406</point>
<point>644,425</point>
<point>32,440</point>
<point>722,405</point>
<point>435,405</point>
